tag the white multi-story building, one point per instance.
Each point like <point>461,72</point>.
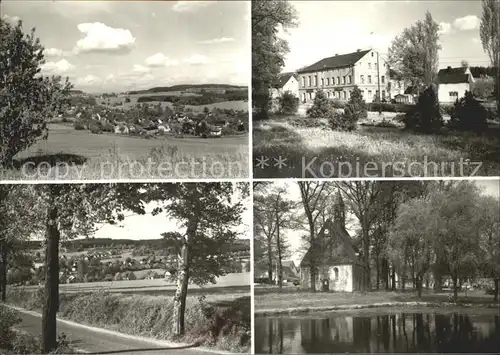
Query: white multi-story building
<point>338,75</point>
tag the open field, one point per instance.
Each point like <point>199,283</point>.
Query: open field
<point>317,151</point>
<point>238,281</point>
<point>110,156</point>
<point>235,105</point>
<point>271,299</point>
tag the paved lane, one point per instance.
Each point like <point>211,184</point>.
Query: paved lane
<point>98,341</point>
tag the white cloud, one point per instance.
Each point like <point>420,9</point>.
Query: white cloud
<point>10,19</point>
<point>59,67</point>
<point>102,38</point>
<point>190,6</point>
<point>89,80</point>
<point>467,23</point>
<point>197,59</point>
<point>218,40</point>
<point>444,28</point>
<point>159,60</point>
<point>53,52</point>
<point>140,69</point>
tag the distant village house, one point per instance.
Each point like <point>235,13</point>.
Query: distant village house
<point>286,82</point>
<point>453,83</point>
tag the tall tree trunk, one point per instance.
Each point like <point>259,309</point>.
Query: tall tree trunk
<point>495,296</point>
<point>455,288</point>
<point>377,264</point>
<point>312,258</point>
<point>278,247</point>
<point>181,291</point>
<point>418,284</point>
<point>270,261</point>
<point>393,278</point>
<point>366,254</point>
<point>184,260</point>
<point>3,270</point>
<point>51,304</point>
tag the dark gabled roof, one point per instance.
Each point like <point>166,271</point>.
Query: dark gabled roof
<point>283,79</point>
<point>452,76</point>
<point>338,61</point>
<point>335,248</point>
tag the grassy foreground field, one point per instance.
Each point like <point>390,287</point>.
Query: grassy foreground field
<point>220,321</point>
<point>271,299</point>
<point>80,155</point>
<point>368,152</point>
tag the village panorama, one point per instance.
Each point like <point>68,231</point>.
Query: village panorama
<point>110,90</point>
<point>125,268</point>
<point>373,266</point>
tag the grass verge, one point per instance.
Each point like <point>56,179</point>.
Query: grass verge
<point>273,301</point>
<point>218,321</point>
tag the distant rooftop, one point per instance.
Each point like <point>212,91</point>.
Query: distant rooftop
<point>453,76</point>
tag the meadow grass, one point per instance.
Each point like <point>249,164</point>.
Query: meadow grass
<point>221,321</point>
<point>271,299</point>
<point>79,155</point>
<point>316,151</point>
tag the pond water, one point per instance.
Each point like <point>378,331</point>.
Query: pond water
<point>390,332</point>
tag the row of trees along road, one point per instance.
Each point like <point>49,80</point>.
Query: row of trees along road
<point>207,212</point>
<point>410,228</point>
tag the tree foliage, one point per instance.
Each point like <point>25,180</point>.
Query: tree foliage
<point>354,110</point>
<point>208,216</point>
<point>27,99</point>
<point>268,49</point>
<point>489,31</point>
<point>322,106</point>
<point>288,103</point>
<point>426,116</point>
<point>414,53</point>
<point>469,115</point>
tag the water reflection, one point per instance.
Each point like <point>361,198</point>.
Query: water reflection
<point>390,333</point>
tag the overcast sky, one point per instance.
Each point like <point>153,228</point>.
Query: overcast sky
<point>126,45</point>
<point>488,187</point>
<point>330,27</point>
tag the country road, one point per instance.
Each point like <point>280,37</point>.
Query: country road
<point>97,341</point>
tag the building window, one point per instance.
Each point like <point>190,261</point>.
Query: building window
<point>454,94</point>
<point>362,77</point>
<point>369,65</point>
<point>315,80</point>
<point>303,82</point>
<point>349,79</point>
<point>327,81</point>
<point>336,273</point>
<point>309,81</point>
<point>322,82</point>
<point>369,79</point>
<point>382,79</point>
<point>344,94</point>
<point>373,54</point>
<point>343,80</point>
<point>383,94</point>
<point>370,94</point>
